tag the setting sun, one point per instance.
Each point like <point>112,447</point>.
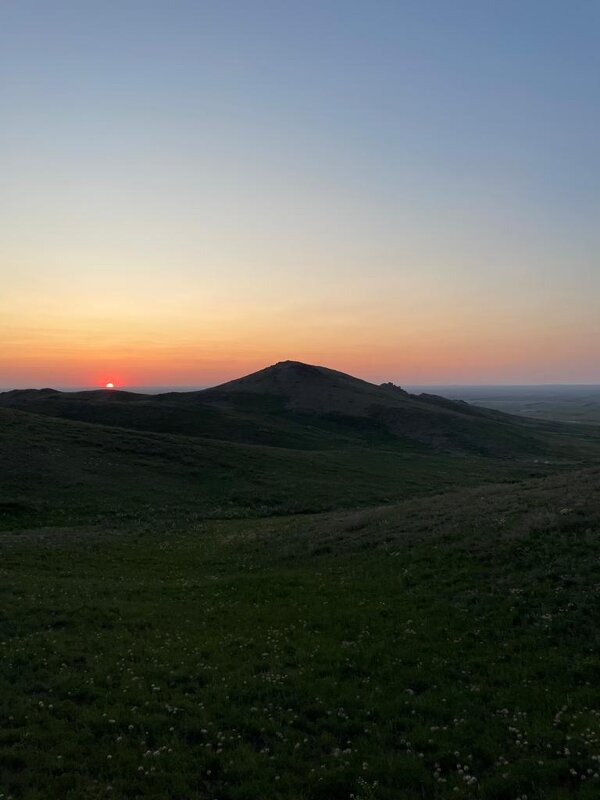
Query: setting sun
<point>110,385</point>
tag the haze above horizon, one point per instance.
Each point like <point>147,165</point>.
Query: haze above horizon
<point>192,191</point>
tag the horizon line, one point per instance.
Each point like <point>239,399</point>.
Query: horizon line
<point>197,387</point>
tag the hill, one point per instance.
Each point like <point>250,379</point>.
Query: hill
<point>295,405</point>
<point>290,438</point>
<point>304,387</point>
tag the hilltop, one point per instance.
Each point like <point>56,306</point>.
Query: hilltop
<point>305,387</point>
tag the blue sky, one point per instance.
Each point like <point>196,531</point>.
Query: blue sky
<point>407,190</point>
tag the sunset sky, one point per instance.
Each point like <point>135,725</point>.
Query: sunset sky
<point>404,190</point>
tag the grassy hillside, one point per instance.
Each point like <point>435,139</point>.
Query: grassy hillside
<point>177,622</point>
<point>53,470</point>
<point>446,647</point>
<point>185,414</point>
<point>296,405</point>
<point>291,438</point>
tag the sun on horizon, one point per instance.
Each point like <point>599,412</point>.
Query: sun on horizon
<point>109,385</point>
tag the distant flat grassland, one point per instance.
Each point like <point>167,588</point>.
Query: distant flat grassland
<point>564,404</point>
<point>579,411</point>
<point>441,648</point>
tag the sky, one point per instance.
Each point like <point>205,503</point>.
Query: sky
<point>403,190</point>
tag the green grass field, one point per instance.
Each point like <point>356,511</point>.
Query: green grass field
<point>55,471</point>
<point>444,647</point>
<point>345,593</point>
<point>581,409</point>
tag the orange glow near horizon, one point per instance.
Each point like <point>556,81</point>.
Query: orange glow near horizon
<point>377,352</point>
<point>407,195</point>
<point>162,339</point>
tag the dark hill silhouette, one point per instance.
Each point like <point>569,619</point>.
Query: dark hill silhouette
<point>292,404</point>
<point>304,387</point>
<point>292,386</point>
<point>292,437</point>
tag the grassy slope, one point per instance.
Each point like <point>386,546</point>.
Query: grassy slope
<point>53,470</point>
<point>184,414</point>
<point>151,652</point>
<point>376,655</point>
